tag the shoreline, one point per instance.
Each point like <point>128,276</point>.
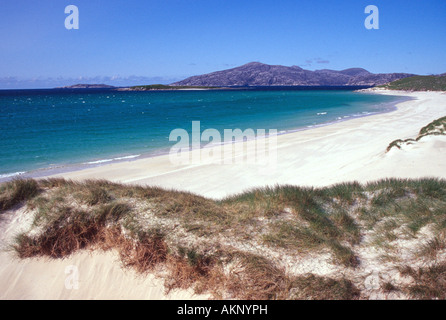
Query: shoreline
<point>129,158</point>
<point>324,156</point>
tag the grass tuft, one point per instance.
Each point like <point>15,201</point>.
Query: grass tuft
<point>323,288</point>
<point>16,191</point>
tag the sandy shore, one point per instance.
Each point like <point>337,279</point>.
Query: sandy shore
<point>345,151</point>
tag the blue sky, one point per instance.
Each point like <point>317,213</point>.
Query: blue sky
<point>160,41</point>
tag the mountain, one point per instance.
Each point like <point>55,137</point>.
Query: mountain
<point>260,74</point>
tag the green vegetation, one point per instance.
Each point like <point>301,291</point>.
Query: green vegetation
<point>436,127</point>
<point>167,87</point>
<point>254,245</point>
<point>418,83</point>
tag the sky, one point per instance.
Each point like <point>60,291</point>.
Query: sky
<point>161,41</point>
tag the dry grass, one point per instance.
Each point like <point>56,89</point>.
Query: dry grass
<point>427,283</point>
<point>254,277</point>
<point>15,191</point>
<point>149,250</point>
<point>241,247</point>
<point>322,288</point>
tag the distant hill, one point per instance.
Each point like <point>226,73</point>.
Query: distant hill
<point>161,87</point>
<point>260,74</point>
<point>87,86</point>
<point>419,83</point>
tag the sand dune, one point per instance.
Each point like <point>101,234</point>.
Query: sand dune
<point>83,275</point>
<point>345,151</point>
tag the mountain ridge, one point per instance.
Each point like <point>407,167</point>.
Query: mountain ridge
<point>261,74</point>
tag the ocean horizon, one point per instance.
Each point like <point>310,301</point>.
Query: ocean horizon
<point>56,129</point>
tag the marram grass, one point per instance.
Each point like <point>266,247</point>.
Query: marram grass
<point>247,246</point>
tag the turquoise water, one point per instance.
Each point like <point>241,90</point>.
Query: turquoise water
<point>50,128</point>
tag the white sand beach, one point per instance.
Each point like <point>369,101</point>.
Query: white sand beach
<point>353,150</point>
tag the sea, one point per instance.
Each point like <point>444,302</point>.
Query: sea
<point>52,130</point>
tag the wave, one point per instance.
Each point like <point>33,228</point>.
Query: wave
<point>113,159</point>
<point>9,175</point>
